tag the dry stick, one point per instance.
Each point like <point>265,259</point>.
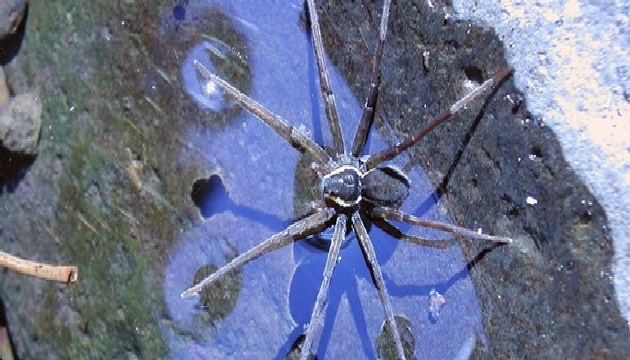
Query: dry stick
<point>67,274</point>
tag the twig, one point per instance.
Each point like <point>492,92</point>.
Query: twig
<point>67,274</point>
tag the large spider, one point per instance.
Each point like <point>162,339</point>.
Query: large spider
<point>352,185</point>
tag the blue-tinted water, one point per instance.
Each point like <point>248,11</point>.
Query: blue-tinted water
<point>254,199</point>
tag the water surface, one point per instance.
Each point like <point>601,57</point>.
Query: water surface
<point>257,168</point>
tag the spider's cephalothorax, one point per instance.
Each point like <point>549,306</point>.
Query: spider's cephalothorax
<point>341,188</point>
<point>354,188</point>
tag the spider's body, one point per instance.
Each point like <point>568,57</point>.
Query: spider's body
<point>346,186</point>
<point>353,186</point>
<point>341,187</point>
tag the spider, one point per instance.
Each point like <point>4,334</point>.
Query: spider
<point>353,186</point>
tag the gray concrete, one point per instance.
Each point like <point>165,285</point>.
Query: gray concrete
<point>572,62</point>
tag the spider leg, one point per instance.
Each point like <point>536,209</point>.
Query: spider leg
<point>390,153</point>
<point>377,277</point>
<point>317,315</point>
<point>298,230</point>
<point>397,215</point>
<point>370,102</point>
<point>324,81</point>
<point>393,231</point>
<point>277,123</point>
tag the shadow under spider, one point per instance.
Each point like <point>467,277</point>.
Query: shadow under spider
<point>211,197</point>
<point>353,186</point>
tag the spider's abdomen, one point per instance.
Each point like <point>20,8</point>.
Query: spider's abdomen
<point>342,187</point>
<point>385,186</point>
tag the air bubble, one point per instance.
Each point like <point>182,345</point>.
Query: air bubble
<point>202,90</point>
<point>219,58</point>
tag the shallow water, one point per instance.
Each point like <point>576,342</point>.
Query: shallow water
<point>257,169</point>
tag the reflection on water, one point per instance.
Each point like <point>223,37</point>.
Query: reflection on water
<point>253,195</point>
<point>204,92</point>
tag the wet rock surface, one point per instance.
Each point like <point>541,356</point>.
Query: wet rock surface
<point>550,293</point>
<point>110,189</point>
